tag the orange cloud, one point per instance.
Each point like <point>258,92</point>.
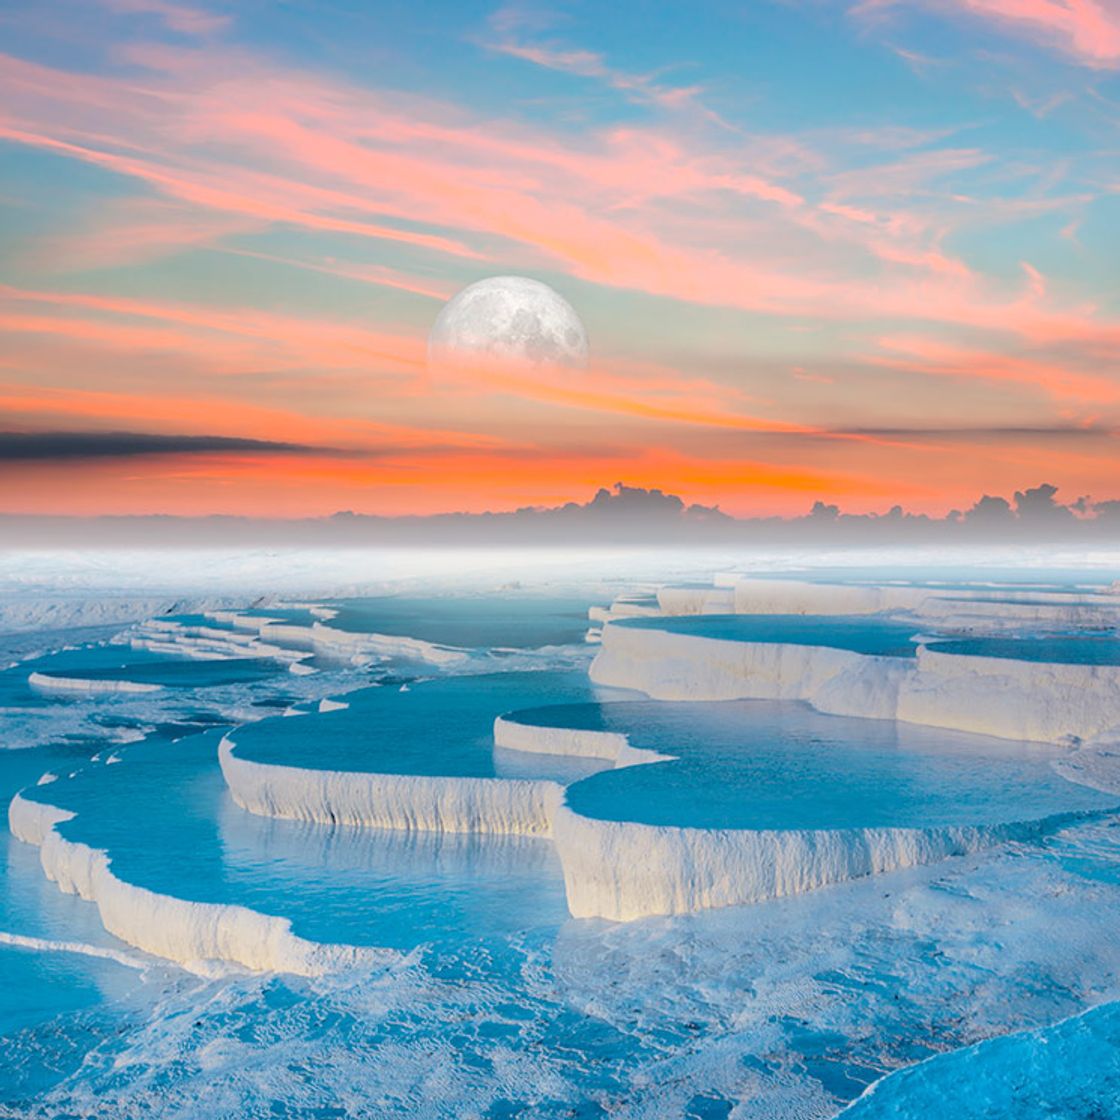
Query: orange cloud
<point>1089,30</point>
<point>225,132</point>
<point>284,340</point>
<point>1057,381</point>
<point>211,415</point>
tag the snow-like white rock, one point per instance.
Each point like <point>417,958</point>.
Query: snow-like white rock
<point>673,666</point>
<point>1009,699</point>
<point>48,683</point>
<point>173,928</point>
<point>622,871</point>
<point>403,801</point>
<point>340,645</point>
<point>571,742</point>
<point>960,608</point>
<point>1036,700</point>
<point>788,596</point>
<point>696,600</point>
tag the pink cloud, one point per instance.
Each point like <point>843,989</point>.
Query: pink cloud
<point>378,275</point>
<point>134,231</point>
<point>244,340</point>
<point>1057,380</point>
<point>1089,30</point>
<point>589,64</point>
<point>653,211</point>
<point>230,340</point>
<point>203,413</point>
<point>178,17</point>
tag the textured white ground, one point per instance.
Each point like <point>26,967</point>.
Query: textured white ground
<point>194,934</point>
<point>402,801</point>
<point>618,870</point>
<point>986,695</point>
<point>48,683</point>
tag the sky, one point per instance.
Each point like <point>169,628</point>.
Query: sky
<point>863,252</point>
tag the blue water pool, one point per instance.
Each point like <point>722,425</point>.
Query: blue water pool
<point>501,619</point>
<point>437,727</point>
<point>37,984</point>
<point>956,577</point>
<point>1065,649</point>
<point>165,818</point>
<point>114,662</point>
<point>1106,608</point>
<point>1070,1070</point>
<point>293,616</point>
<point>779,765</point>
<point>875,636</point>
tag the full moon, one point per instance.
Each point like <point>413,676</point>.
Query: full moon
<point>512,319</point>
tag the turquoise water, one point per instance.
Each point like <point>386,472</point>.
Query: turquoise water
<point>1063,649</point>
<point>874,636</point>
<point>504,1007</point>
<point>200,620</point>
<point>957,577</point>
<point>495,620</point>
<point>757,764</point>
<point>171,672</point>
<point>1070,1071</point>
<point>114,662</point>
<point>61,993</point>
<point>294,616</point>
<point>164,808</point>
<point>1048,599</point>
<point>438,727</point>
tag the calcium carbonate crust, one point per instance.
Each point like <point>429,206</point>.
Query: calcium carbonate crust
<point>1039,701</point>
<point>619,870</point>
<point>192,934</point>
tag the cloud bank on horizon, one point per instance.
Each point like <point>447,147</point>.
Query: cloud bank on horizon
<point>857,252</point>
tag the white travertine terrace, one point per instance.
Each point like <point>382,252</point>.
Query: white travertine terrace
<point>520,806</point>
<point>986,607</point>
<point>49,683</point>
<point>618,870</point>
<point>208,643</point>
<point>570,742</point>
<point>622,870</point>
<point>340,645</point>
<point>987,695</point>
<point>189,933</point>
<point>696,600</point>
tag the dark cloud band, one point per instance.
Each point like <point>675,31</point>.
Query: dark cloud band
<point>38,447</point>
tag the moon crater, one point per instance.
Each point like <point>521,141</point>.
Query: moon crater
<point>511,319</point>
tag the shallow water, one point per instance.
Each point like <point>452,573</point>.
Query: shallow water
<point>873,636</point>
<point>165,818</point>
<point>782,1010</point>
<point>957,577</point>
<point>758,764</point>
<point>1063,649</point>
<point>1070,1070</point>
<point>44,990</point>
<point>503,1006</point>
<point>437,727</point>
<point>495,620</point>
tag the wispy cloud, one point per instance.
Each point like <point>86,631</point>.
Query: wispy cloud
<point>22,447</point>
<point>589,64</point>
<point>233,136</point>
<point>1059,381</point>
<point>1086,30</point>
<point>771,303</point>
<point>183,18</point>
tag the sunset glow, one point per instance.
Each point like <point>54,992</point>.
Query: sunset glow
<point>864,253</point>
